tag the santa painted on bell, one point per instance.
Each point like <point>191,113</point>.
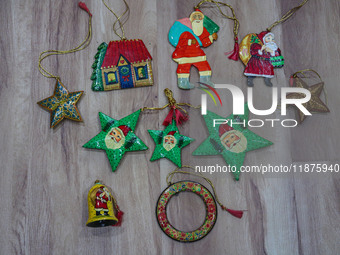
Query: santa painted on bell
<point>188,50</point>
<point>102,197</point>
<point>115,138</point>
<point>260,64</point>
<point>232,139</point>
<point>169,141</point>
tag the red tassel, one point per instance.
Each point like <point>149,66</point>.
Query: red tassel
<point>237,214</point>
<point>180,117</point>
<point>234,213</point>
<point>291,81</point>
<point>168,118</point>
<point>234,53</point>
<point>119,216</point>
<point>84,7</point>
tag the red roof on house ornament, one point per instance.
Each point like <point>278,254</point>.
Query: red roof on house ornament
<point>133,50</point>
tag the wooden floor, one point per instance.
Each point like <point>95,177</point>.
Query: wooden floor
<point>46,174</point>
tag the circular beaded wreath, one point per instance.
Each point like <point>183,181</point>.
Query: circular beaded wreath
<point>210,218</point>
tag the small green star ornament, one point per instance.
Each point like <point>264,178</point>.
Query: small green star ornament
<point>62,104</point>
<point>117,137</point>
<point>169,144</point>
<point>231,139</point>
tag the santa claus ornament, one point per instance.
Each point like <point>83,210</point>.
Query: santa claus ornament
<point>121,64</point>
<point>315,104</point>
<point>169,143</point>
<point>260,53</point>
<point>117,137</point>
<point>231,139</point>
<point>62,104</point>
<point>208,198</point>
<point>188,36</point>
<point>102,206</point>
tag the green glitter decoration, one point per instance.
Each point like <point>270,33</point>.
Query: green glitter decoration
<point>238,135</point>
<point>112,131</point>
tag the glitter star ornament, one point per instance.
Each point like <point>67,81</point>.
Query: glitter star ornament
<point>314,104</point>
<point>169,144</point>
<point>231,139</point>
<point>117,137</point>
<point>62,104</point>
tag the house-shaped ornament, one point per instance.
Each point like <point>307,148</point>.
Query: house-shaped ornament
<point>121,65</point>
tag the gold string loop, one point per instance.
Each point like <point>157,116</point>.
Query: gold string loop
<point>287,15</point>
<point>295,75</point>
<point>306,70</point>
<point>118,19</point>
<point>82,46</point>
<point>172,103</point>
<point>233,17</point>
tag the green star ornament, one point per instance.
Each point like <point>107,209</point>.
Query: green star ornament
<point>117,137</point>
<point>169,144</point>
<point>232,140</point>
<point>62,104</point>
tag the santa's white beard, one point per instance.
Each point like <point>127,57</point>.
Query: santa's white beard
<point>238,147</point>
<point>168,146</point>
<point>272,46</point>
<point>197,27</point>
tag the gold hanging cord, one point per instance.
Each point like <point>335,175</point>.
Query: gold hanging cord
<point>82,46</point>
<point>172,103</point>
<point>122,36</point>
<point>295,75</point>
<point>287,15</point>
<point>236,21</point>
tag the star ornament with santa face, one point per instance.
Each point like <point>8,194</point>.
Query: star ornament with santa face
<point>232,140</point>
<point>314,104</point>
<point>169,144</point>
<point>117,137</point>
<point>62,104</point>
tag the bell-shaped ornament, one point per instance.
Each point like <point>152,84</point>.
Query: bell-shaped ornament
<point>101,206</point>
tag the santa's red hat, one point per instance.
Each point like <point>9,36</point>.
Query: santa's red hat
<point>125,129</point>
<point>172,133</point>
<point>261,35</point>
<point>224,128</point>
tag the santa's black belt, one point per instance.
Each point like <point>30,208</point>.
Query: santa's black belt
<point>261,58</point>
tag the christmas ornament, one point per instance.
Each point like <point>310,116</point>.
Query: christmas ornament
<point>100,204</point>
<point>231,139</point>
<point>260,53</point>
<point>62,104</point>
<point>188,35</point>
<point>314,105</point>
<point>176,112</point>
<point>198,189</point>
<point>169,143</point>
<point>121,64</point>
<point>117,137</point>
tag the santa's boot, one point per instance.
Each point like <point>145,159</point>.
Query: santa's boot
<point>268,82</point>
<point>184,83</point>
<point>205,79</point>
<point>250,81</point>
<point>98,213</point>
